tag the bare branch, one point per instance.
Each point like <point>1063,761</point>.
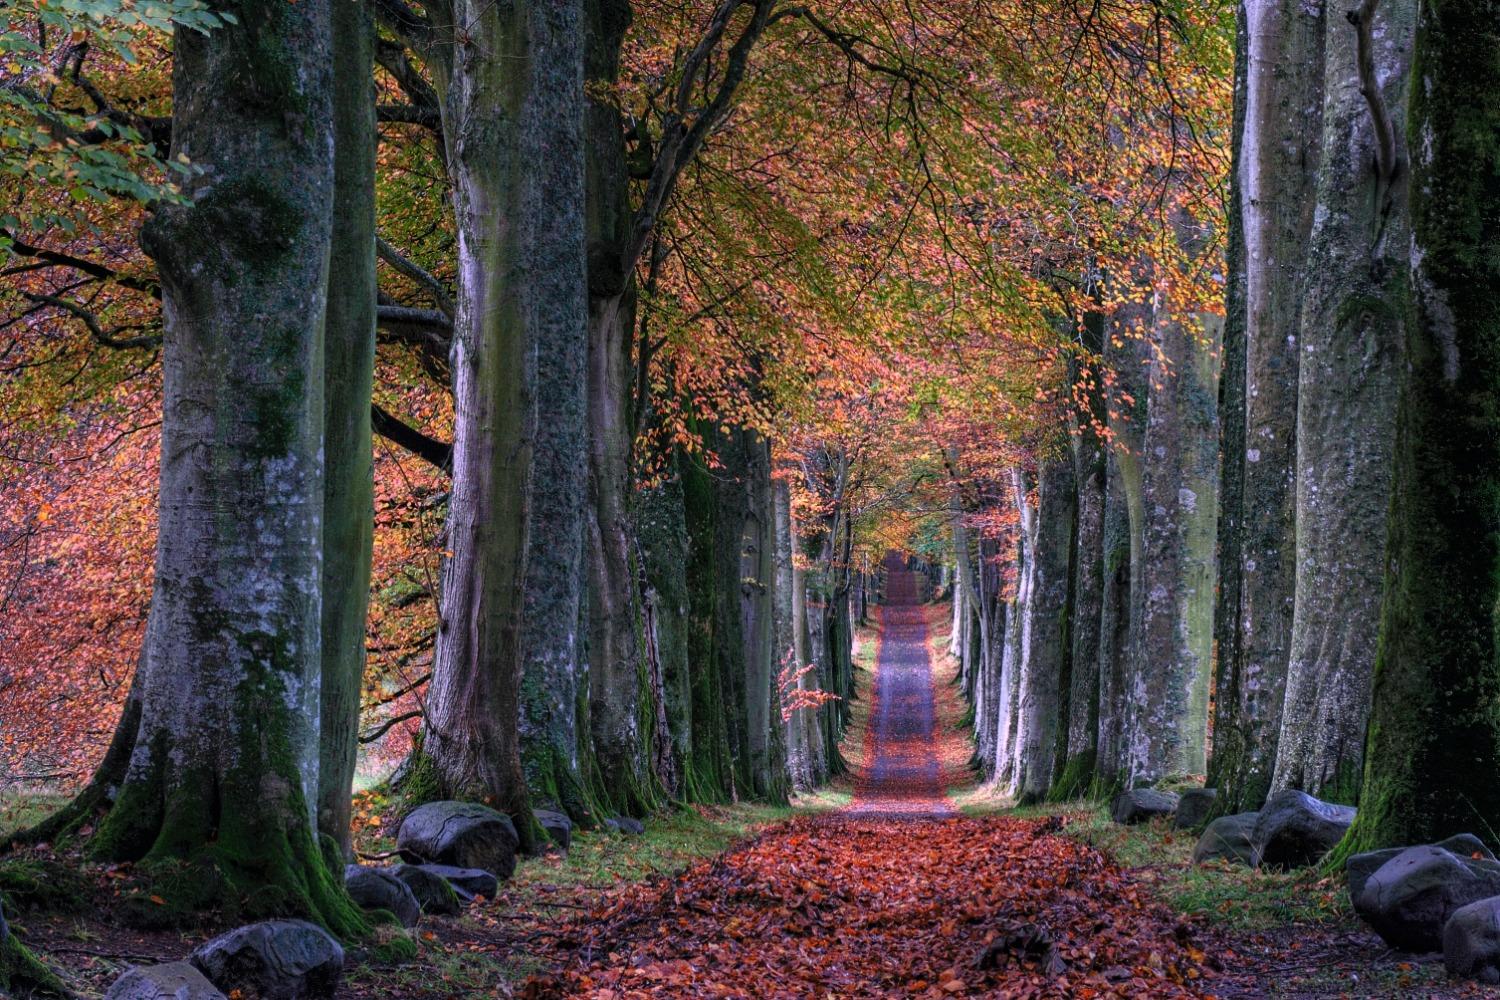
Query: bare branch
<point>109,339</point>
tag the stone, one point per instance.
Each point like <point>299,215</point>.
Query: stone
<point>625,825</point>
<point>273,960</point>
<point>433,892</point>
<point>1227,839</point>
<point>1193,807</point>
<point>1140,805</point>
<point>381,889</point>
<point>172,981</point>
<point>1410,897</point>
<point>557,825</point>
<point>1471,941</point>
<point>461,834</point>
<point>1359,867</point>
<point>1295,830</point>
<point>467,882</point>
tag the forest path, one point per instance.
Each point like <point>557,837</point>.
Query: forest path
<point>895,895</point>
<point>902,776</point>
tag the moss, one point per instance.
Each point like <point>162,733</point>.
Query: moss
<point>22,975</point>
<point>1076,779</point>
<point>42,884</point>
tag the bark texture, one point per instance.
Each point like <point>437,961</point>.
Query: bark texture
<point>1277,158</point>
<point>1433,737</point>
<point>349,369</point>
<point>224,767</point>
<point>1351,341</point>
<point>513,126</point>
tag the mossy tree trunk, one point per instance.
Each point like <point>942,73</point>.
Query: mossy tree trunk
<point>1351,341</point>
<point>661,527</point>
<point>1433,742</point>
<point>1170,660</point>
<point>758,589</point>
<point>1045,666</point>
<point>1017,648</point>
<point>349,473</point>
<point>224,766</point>
<point>1080,735</point>
<point>512,118</point>
<point>1277,157</point>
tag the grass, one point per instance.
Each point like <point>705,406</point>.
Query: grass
<point>21,809</point>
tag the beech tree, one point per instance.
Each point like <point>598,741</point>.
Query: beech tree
<point>224,759</point>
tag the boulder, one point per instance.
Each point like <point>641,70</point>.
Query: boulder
<point>1471,941</point>
<point>172,981</point>
<point>462,834</point>
<point>1227,839</point>
<point>1410,897</point>
<point>381,889</point>
<point>1193,807</point>
<point>273,960</point>
<point>557,825</point>
<point>1359,867</point>
<point>1139,805</point>
<point>467,882</point>
<point>433,892</point>
<point>624,824</point>
<point>1295,830</point>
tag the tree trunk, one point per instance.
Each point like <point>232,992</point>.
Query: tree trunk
<point>1171,653</point>
<point>786,641</point>
<point>1433,741</point>
<point>1346,402</point>
<point>1045,668</point>
<point>348,482</point>
<point>1114,630</point>
<point>1017,637</point>
<point>758,586</point>
<point>1277,164</point>
<point>511,105</point>
<point>661,527</point>
<point>224,769</point>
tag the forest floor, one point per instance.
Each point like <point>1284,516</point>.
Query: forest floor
<point>902,879</point>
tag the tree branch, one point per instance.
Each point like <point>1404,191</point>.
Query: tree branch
<point>406,266</point>
<point>438,454</point>
<point>91,321</point>
<point>92,268</point>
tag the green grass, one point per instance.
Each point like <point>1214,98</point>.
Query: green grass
<point>20,810</point>
<point>1233,896</point>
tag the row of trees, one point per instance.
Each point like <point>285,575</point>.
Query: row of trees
<point>1270,560</point>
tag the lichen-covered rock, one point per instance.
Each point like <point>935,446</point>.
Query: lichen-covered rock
<point>1409,899</point>
<point>557,825</point>
<point>467,882</point>
<point>172,981</point>
<point>1471,941</point>
<point>433,892</point>
<point>381,889</point>
<point>1193,807</point>
<point>461,834</point>
<point>1139,805</point>
<point>273,960</point>
<point>624,824</point>
<point>1227,839</point>
<point>1295,830</point>
<point>1359,867</point>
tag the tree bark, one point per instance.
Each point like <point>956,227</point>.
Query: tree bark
<point>1346,402</point>
<point>1277,163</point>
<point>349,473</point>
<point>1433,737</point>
<point>224,768</point>
<point>1045,667</point>
<point>513,125</point>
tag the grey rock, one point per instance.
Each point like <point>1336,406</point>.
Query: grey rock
<point>462,834</point>
<point>1193,807</point>
<point>467,882</point>
<point>557,825</point>
<point>380,889</point>
<point>1295,830</point>
<point>172,981</point>
<point>1410,897</point>
<point>1139,805</point>
<point>1227,839</point>
<point>273,960</point>
<point>433,892</point>
<point>1359,867</point>
<point>625,825</point>
<point>1471,941</point>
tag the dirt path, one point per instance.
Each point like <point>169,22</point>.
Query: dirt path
<point>894,896</point>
